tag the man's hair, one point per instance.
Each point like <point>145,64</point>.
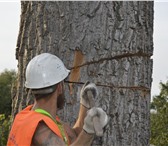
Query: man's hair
<point>44,92</point>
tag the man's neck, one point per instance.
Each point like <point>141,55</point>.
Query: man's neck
<point>47,104</point>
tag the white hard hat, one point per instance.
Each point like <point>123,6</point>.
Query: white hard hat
<point>45,70</point>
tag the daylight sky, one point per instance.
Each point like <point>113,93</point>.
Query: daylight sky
<point>9,28</point>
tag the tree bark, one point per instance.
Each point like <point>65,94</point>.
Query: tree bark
<point>108,43</point>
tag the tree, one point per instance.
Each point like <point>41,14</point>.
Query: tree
<point>7,79</point>
<point>5,123</point>
<point>109,43</point>
<point>159,119</point>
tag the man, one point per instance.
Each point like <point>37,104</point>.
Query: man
<point>38,124</point>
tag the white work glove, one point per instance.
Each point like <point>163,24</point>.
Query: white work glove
<point>83,94</point>
<point>88,121</point>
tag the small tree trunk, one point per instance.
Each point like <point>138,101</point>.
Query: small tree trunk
<point>109,43</point>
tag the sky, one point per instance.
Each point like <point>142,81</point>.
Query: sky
<point>9,29</point>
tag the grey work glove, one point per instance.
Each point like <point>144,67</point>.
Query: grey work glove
<point>88,121</point>
<point>83,94</point>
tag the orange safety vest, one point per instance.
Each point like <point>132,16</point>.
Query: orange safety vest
<point>25,124</point>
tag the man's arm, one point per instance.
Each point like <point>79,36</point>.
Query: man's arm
<point>74,132</point>
<point>80,121</point>
<point>84,139</point>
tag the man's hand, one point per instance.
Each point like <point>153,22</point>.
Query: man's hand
<point>84,96</point>
<point>102,119</point>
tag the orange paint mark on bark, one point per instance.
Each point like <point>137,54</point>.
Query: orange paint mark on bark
<point>75,72</point>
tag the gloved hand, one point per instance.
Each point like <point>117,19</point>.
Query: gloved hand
<point>88,121</point>
<point>83,94</point>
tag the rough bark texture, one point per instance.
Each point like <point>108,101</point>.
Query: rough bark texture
<point>109,43</point>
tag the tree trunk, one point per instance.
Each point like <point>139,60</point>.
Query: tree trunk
<point>108,43</point>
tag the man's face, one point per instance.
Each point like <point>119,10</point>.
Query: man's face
<point>61,97</point>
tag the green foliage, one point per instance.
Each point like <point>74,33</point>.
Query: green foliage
<point>4,129</point>
<point>159,120</point>
<point>7,78</point>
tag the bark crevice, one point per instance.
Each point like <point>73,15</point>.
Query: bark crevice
<point>142,88</point>
<point>117,57</point>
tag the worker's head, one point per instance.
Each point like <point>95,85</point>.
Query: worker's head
<point>44,73</point>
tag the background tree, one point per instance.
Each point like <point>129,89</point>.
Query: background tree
<point>109,43</point>
<point>159,119</point>
<point>5,123</point>
<point>7,80</point>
